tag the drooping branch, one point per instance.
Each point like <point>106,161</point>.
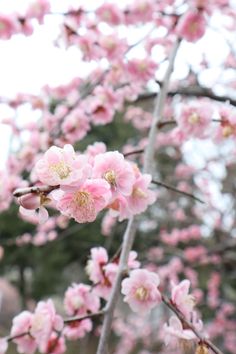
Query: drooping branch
<point>189,325</point>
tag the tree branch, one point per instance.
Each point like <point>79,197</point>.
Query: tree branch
<point>131,227</point>
<point>167,186</point>
<point>34,189</point>
<point>202,339</point>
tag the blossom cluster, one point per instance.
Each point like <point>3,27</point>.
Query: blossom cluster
<point>142,294</point>
<point>85,184</point>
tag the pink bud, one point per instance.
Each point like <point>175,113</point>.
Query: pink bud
<point>30,201</point>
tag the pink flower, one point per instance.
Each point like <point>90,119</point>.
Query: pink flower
<point>174,333</point>
<point>32,207</point>
<point>3,345</point>
<point>77,329</point>
<point>94,268</point>
<point>22,324</point>
<point>113,46</point>
<point>140,290</point>
<point>75,125</point>
<point>44,322</point>
<point>38,9</point>
<point>56,344</point>
<point>80,300</point>
<point>8,26</point>
<point>141,70</point>
<point>191,26</point>
<point>116,171</point>
<point>84,203</point>
<point>181,298</point>
<point>62,167</point>
<point>195,120</point>
<point>95,149</point>
<point>110,13</point>
<point>141,196</point>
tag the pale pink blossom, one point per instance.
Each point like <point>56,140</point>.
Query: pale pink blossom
<point>174,334</point>
<point>113,46</point>
<point>119,208</point>
<point>3,345</point>
<point>116,171</point>
<point>56,344</point>
<point>140,290</point>
<point>80,300</point>
<point>141,70</point>
<point>8,26</point>
<point>75,125</point>
<point>110,13</point>
<point>38,9</point>
<point>84,203</point>
<point>181,298</point>
<point>62,167</point>
<point>44,322</point>
<point>141,196</point>
<point>194,120</point>
<point>22,324</point>
<point>192,26</point>
<point>77,329</point>
<point>94,268</point>
<point>95,149</point>
<point>140,11</point>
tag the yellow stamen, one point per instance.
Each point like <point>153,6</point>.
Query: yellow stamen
<point>193,118</point>
<point>61,169</point>
<point>141,293</point>
<point>227,131</point>
<point>110,177</point>
<point>82,198</point>
<point>138,193</point>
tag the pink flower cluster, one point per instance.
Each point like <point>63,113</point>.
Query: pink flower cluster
<point>102,272</point>
<point>85,185</point>
<point>39,330</point>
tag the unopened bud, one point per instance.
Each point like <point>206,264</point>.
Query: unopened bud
<point>30,201</point>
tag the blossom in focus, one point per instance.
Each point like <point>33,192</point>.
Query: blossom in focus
<point>62,167</point>
<point>140,290</point>
<point>84,203</point>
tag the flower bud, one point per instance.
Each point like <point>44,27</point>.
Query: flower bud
<point>30,201</point>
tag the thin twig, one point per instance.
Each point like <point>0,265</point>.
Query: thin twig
<point>134,152</point>
<point>172,188</point>
<point>81,318</point>
<point>34,189</point>
<point>202,339</point>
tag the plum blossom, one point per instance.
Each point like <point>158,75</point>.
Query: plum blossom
<point>84,203</point>
<point>175,335</point>
<point>181,298</point>
<point>62,167</point>
<point>116,171</point>
<point>77,329</point>
<point>44,322</point>
<point>79,300</point>
<point>191,26</point>
<point>140,290</point>
<point>141,70</point>
<point>8,26</point>
<point>32,207</point>
<point>110,13</point>
<point>194,120</point>
<point>141,196</point>
<point>3,345</point>
<point>22,324</point>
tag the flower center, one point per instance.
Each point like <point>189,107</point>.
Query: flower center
<point>138,193</point>
<point>61,169</point>
<point>193,118</point>
<point>227,131</point>
<point>110,177</point>
<point>141,294</point>
<point>82,198</point>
